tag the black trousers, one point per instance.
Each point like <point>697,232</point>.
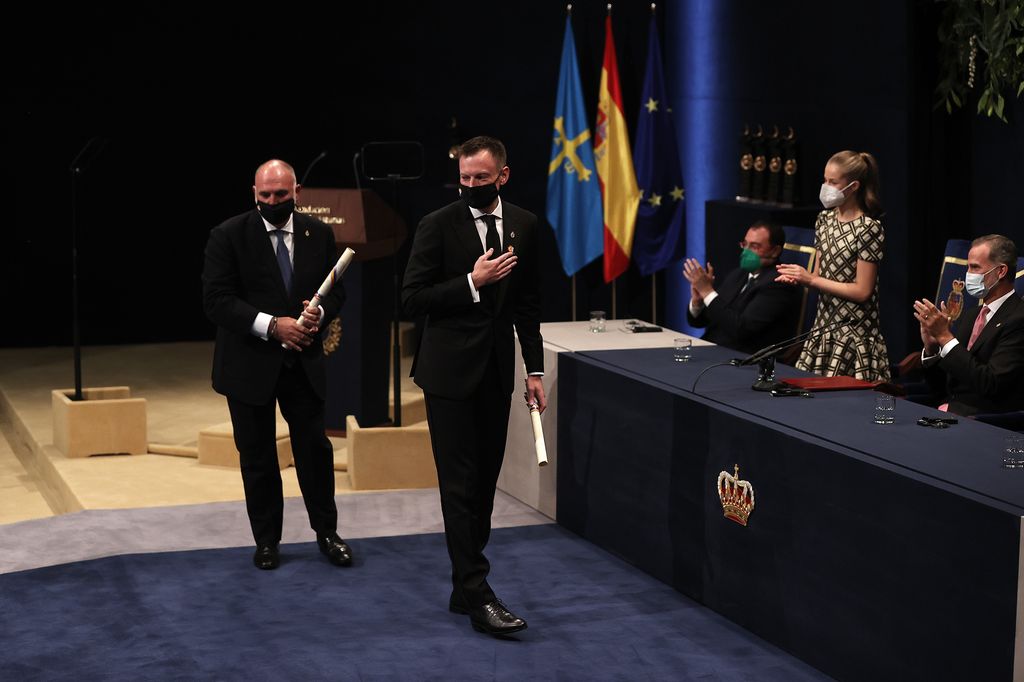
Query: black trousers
<point>468,440</point>
<point>254,432</point>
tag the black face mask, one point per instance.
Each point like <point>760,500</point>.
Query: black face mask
<point>480,196</point>
<point>276,214</point>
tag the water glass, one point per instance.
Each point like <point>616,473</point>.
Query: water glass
<point>885,409</point>
<point>1013,454</point>
<point>597,321</point>
<point>681,350</point>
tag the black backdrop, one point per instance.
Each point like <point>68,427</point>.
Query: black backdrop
<point>192,104</point>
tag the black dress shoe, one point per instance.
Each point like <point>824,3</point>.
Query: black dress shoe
<point>266,557</point>
<point>494,618</point>
<point>335,549</point>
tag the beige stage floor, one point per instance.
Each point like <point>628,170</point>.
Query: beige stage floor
<point>37,480</point>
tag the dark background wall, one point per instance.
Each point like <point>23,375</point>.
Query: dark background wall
<point>191,105</point>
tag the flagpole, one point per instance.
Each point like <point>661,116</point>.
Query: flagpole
<point>654,293</point>
<point>615,288</point>
<point>614,283</point>
<point>573,294</point>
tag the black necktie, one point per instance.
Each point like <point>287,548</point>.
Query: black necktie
<point>746,285</point>
<point>492,239</point>
<point>283,261</point>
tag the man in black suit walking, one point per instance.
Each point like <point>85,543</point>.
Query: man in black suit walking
<point>980,369</point>
<point>749,310</point>
<point>258,265</point>
<point>472,272</point>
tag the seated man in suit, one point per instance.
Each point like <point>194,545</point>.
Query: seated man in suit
<point>980,369</point>
<point>749,309</point>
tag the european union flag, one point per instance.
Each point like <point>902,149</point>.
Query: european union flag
<point>659,237</point>
<point>574,197</point>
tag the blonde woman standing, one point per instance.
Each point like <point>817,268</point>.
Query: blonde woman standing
<point>849,239</point>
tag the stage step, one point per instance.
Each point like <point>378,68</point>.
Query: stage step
<point>20,499</point>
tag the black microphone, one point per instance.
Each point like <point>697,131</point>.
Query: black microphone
<point>775,348</point>
<point>310,166</point>
<point>88,154</point>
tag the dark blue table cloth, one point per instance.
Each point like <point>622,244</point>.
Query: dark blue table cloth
<point>873,551</point>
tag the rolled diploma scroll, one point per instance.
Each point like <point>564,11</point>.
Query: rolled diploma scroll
<point>333,276</point>
<point>538,432</point>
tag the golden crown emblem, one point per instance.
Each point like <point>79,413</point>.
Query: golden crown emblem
<point>737,496</point>
<point>955,300</point>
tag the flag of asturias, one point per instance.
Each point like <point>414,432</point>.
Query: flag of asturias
<point>659,237</point>
<point>614,166</point>
<point>574,198</point>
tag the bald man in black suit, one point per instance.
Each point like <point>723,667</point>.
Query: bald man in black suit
<point>258,264</point>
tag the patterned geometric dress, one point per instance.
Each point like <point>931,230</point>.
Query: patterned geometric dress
<point>857,349</point>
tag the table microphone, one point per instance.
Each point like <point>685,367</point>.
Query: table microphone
<point>765,358</point>
<point>783,345</point>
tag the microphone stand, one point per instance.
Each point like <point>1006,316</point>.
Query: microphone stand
<point>312,163</point>
<point>765,358</point>
<point>78,167</point>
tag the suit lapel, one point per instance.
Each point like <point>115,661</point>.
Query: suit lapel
<point>510,238</point>
<point>465,230</point>
<point>991,328</point>
<point>302,257</point>
<point>730,290</point>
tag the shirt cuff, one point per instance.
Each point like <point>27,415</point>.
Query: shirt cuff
<point>261,324</point>
<point>710,297</point>
<point>950,345</point>
<point>536,374</point>
<point>472,289</point>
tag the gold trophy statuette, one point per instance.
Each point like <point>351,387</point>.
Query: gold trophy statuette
<point>955,301</point>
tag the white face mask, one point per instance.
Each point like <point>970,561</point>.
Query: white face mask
<point>975,284</point>
<point>831,197</point>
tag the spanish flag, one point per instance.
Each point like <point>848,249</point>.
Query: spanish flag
<point>619,191</point>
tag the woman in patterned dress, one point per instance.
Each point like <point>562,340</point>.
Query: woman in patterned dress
<point>849,241</point>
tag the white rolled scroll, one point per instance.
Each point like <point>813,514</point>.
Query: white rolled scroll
<point>333,276</point>
<point>538,431</point>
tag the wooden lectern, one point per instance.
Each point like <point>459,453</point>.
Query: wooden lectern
<point>357,361</point>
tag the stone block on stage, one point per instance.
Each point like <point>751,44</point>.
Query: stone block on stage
<point>385,458</point>
<point>107,421</point>
<point>217,446</point>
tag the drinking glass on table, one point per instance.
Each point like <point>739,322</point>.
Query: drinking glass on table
<point>885,409</point>
<point>1013,452</point>
<point>681,349</point>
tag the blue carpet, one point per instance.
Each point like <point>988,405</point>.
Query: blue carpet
<point>209,614</point>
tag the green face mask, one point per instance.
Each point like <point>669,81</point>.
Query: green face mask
<point>749,261</point>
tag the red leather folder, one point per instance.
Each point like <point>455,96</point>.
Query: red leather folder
<point>837,383</point>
